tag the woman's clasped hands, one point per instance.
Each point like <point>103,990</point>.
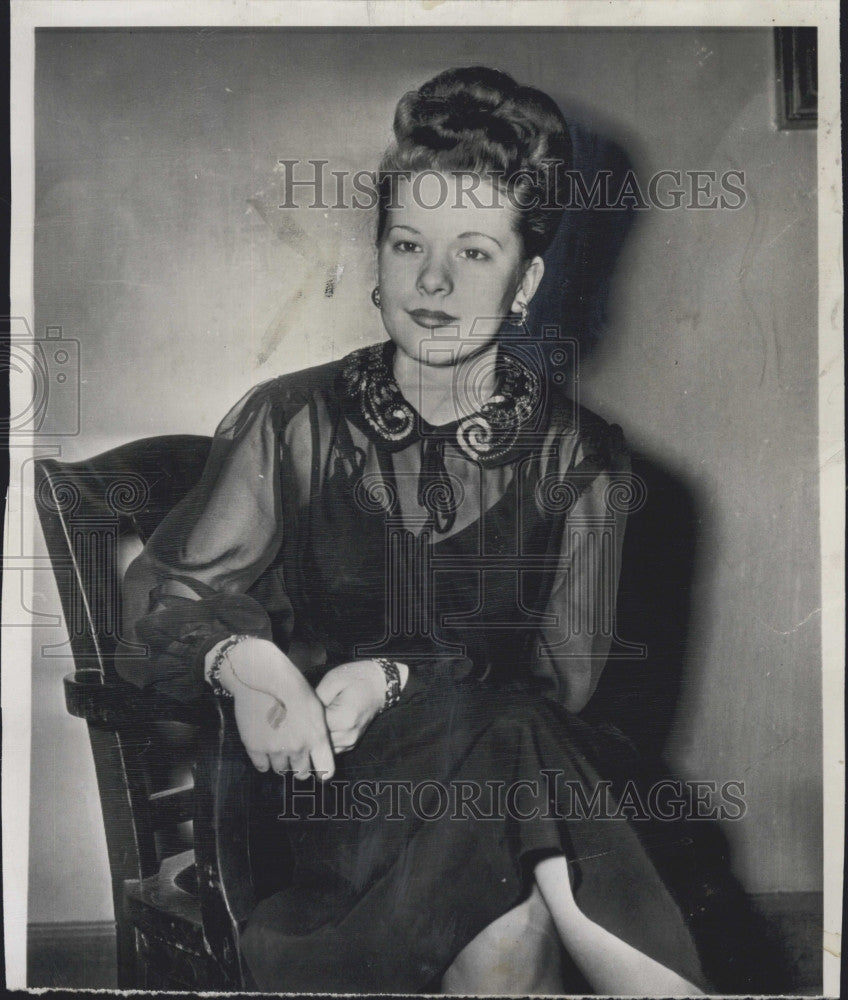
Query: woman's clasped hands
<point>283,722</point>
<point>352,694</point>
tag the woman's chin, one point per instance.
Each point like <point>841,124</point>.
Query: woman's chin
<point>442,347</point>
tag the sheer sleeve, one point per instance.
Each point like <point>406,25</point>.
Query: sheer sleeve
<point>572,651</point>
<point>189,587</point>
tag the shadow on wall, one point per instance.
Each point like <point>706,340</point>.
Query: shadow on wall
<point>637,698</point>
<point>640,694</point>
<point>636,704</point>
<point>580,263</point>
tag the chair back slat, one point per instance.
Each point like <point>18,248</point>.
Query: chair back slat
<point>172,806</point>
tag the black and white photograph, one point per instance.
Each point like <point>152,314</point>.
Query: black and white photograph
<point>423,569</point>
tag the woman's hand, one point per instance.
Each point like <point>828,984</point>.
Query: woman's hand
<point>353,694</point>
<point>280,719</point>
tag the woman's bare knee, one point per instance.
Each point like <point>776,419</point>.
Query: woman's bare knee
<point>519,953</point>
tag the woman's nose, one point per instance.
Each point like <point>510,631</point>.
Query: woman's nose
<point>434,278</point>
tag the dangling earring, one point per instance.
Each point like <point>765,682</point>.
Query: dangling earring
<point>520,318</point>
<point>375,296</point>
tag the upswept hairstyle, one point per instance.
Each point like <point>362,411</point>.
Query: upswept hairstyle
<point>479,120</point>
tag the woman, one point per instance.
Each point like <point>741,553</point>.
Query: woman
<point>388,564</point>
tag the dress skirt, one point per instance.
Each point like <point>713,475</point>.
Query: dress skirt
<point>430,830</point>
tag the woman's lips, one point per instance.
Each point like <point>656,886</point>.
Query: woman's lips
<point>430,319</point>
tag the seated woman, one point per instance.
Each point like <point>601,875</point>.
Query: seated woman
<point>399,566</point>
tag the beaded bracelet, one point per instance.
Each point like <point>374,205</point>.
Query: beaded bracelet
<point>390,669</point>
<point>213,676</point>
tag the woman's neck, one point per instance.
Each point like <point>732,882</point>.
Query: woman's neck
<point>442,394</point>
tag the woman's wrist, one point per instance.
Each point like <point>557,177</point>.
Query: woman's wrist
<point>395,676</point>
<point>214,662</point>
<point>246,661</point>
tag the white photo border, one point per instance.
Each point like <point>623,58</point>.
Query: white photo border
<point>27,15</point>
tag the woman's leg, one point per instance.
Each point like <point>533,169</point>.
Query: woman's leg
<point>516,955</point>
<point>611,966</point>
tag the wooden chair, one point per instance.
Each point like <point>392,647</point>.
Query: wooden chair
<point>174,784</point>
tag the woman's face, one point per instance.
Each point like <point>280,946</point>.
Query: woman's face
<point>451,268</point>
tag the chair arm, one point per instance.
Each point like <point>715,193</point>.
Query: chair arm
<point>114,704</point>
<point>222,784</point>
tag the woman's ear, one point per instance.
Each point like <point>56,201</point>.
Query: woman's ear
<point>529,283</point>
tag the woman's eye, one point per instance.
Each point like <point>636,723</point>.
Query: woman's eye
<point>407,246</point>
<point>472,253</point>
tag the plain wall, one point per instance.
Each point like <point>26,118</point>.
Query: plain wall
<point>150,145</point>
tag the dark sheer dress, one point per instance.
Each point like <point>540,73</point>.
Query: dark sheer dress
<point>484,554</point>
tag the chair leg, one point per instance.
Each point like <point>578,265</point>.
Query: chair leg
<point>126,949</point>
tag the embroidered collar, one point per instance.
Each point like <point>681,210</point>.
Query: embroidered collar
<point>373,401</point>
